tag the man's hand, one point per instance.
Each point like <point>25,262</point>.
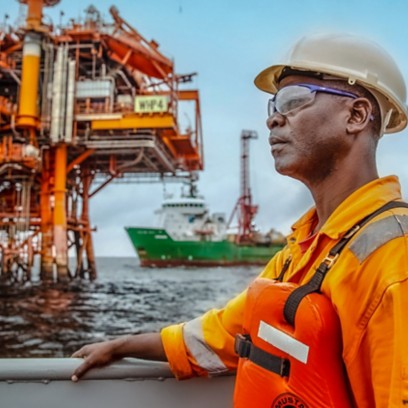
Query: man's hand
<point>94,355</point>
<point>148,346</point>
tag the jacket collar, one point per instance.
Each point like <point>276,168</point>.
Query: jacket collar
<point>354,208</point>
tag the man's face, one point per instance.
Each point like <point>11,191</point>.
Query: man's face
<point>308,142</point>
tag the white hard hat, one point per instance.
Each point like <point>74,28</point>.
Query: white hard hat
<point>352,58</point>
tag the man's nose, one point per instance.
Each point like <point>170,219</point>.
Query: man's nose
<point>276,119</point>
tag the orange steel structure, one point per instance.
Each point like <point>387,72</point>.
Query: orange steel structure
<point>80,107</point>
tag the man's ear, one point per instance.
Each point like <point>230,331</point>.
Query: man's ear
<point>360,115</point>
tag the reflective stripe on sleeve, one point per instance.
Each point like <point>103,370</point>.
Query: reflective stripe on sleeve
<point>377,234</point>
<point>200,350</point>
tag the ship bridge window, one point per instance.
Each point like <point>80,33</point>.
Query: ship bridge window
<point>181,205</point>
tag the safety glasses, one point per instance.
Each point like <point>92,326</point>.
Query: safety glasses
<point>292,97</point>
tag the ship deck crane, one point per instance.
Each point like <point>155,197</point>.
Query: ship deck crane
<point>80,107</point>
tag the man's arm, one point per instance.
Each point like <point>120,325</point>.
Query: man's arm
<point>378,367</point>
<point>205,346</point>
<point>147,346</point>
<point>389,353</point>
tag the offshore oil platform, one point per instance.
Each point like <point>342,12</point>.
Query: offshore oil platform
<point>81,106</point>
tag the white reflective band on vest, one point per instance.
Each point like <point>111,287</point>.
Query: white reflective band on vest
<point>283,342</point>
<point>377,234</point>
<point>199,349</point>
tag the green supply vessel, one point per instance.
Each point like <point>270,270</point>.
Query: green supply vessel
<point>189,235</point>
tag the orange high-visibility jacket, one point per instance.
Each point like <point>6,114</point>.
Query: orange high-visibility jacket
<point>368,286</point>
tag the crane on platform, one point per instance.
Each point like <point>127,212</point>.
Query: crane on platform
<point>244,209</point>
<point>81,107</point>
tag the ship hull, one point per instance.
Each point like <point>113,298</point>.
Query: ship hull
<point>156,248</point>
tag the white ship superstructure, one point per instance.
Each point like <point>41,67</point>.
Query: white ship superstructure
<point>188,219</point>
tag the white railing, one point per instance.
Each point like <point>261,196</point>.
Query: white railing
<point>129,383</point>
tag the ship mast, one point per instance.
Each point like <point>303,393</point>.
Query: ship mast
<point>244,208</point>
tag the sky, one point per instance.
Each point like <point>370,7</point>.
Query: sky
<point>228,43</point>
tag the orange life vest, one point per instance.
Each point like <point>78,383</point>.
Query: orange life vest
<point>290,348</point>
<point>284,366</point>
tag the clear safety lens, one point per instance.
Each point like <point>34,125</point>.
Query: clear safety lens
<point>296,96</point>
<point>290,98</point>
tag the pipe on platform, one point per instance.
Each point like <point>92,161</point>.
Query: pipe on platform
<point>88,242</point>
<point>127,82</point>
<point>27,109</point>
<point>7,166</point>
<point>46,97</point>
<point>47,259</point>
<point>56,100</point>
<point>133,162</point>
<point>63,93</point>
<point>70,101</point>
<point>63,97</point>
<point>59,89</point>
<point>34,14</point>
<point>60,217</point>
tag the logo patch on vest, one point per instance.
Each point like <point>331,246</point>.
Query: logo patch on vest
<point>288,400</point>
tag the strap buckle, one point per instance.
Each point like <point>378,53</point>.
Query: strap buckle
<point>330,260</point>
<point>242,345</point>
<point>285,367</point>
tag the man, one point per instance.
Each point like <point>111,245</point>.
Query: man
<point>333,99</point>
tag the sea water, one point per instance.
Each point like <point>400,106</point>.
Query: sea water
<point>38,320</point>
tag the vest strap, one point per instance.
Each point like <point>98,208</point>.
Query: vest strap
<point>246,349</point>
<point>315,283</point>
